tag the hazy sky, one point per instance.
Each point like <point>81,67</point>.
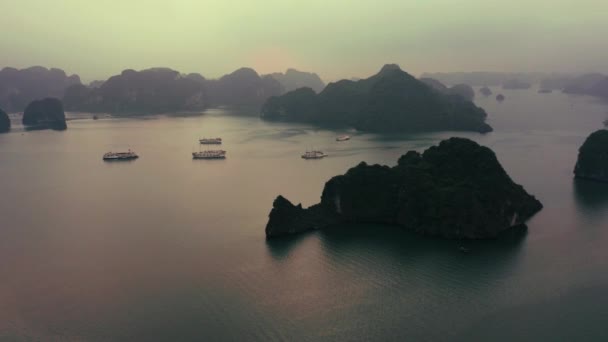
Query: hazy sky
<point>336,38</point>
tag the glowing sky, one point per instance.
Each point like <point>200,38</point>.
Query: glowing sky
<point>336,38</point>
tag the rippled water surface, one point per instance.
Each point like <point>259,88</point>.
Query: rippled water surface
<point>167,248</point>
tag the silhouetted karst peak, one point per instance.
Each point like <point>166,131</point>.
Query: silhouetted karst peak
<point>148,91</point>
<point>457,189</point>
<point>390,101</point>
<point>592,160</point>
<point>435,84</point>
<point>293,79</point>
<point>244,73</point>
<point>45,113</point>
<point>20,87</point>
<point>196,77</point>
<point>485,91</point>
<point>463,90</point>
<point>390,67</point>
<point>243,87</point>
<point>5,122</point>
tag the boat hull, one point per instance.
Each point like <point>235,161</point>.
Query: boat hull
<point>119,158</point>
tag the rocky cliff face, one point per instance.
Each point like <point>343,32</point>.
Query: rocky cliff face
<point>461,89</point>
<point>390,101</point>
<point>149,91</point>
<point>5,122</point>
<point>293,79</point>
<point>592,160</point>
<point>455,190</point>
<point>485,91</point>
<point>162,90</point>
<point>243,87</point>
<point>464,90</point>
<point>45,113</point>
<point>20,87</point>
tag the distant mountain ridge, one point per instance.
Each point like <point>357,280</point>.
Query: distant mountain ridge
<point>293,79</point>
<point>147,91</point>
<point>5,122</point>
<point>159,90</point>
<point>464,90</point>
<point>485,78</point>
<point>20,87</point>
<point>391,100</point>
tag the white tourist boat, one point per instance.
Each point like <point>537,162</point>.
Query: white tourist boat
<point>343,138</point>
<point>314,155</point>
<point>209,154</point>
<point>129,155</point>
<point>210,141</point>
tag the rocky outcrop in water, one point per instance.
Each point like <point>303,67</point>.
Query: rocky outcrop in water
<point>484,78</point>
<point>463,90</point>
<point>592,160</point>
<point>293,79</point>
<point>243,87</point>
<point>150,91</point>
<point>45,113</point>
<point>390,101</point>
<point>485,91</point>
<point>162,90</point>
<point>5,122</point>
<point>457,189</point>
<point>20,87</point>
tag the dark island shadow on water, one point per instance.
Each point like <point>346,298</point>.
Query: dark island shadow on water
<point>395,239</point>
<point>395,243</point>
<point>591,198</point>
<point>281,247</point>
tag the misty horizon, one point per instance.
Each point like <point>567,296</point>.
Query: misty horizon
<point>340,40</point>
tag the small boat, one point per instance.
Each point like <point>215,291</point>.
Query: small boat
<point>209,154</point>
<point>210,141</point>
<point>343,138</point>
<point>545,91</point>
<point>129,155</point>
<point>95,117</point>
<point>463,249</point>
<point>314,155</point>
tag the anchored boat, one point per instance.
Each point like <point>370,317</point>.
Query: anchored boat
<point>129,155</point>
<point>343,138</point>
<point>314,155</point>
<point>210,141</point>
<point>209,154</point>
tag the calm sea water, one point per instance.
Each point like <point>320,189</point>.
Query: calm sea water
<point>167,248</point>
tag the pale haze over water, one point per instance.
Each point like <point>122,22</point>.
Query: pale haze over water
<point>167,248</point>
<point>337,39</point>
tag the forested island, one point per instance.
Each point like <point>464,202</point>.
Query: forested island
<point>390,101</point>
<point>592,162</point>
<point>45,114</point>
<point>457,190</point>
<point>5,122</point>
